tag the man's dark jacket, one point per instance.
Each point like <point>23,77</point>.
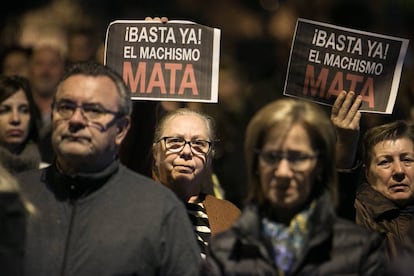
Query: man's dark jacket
<point>116,222</point>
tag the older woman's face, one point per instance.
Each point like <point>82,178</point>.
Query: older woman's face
<point>14,120</point>
<point>287,167</point>
<point>182,169</point>
<point>391,171</point>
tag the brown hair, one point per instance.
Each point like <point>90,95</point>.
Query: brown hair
<point>283,114</point>
<point>10,85</point>
<point>390,131</point>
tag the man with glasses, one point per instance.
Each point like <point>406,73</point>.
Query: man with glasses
<point>183,154</point>
<point>93,215</point>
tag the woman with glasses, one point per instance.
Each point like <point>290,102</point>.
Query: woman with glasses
<point>289,226</point>
<point>182,155</point>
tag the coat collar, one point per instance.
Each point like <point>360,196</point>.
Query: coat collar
<point>72,187</point>
<point>376,204</point>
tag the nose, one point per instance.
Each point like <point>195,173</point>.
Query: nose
<point>187,148</point>
<point>77,116</point>
<point>15,117</point>
<point>398,167</point>
<point>283,169</point>
<point>398,172</point>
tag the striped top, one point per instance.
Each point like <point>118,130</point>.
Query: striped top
<point>201,226</point>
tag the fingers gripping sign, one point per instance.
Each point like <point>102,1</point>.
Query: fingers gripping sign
<point>345,111</point>
<point>345,116</point>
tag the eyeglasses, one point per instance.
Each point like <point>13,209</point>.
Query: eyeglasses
<point>177,144</point>
<point>298,161</point>
<point>90,111</point>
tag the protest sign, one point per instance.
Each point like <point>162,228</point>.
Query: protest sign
<point>177,60</point>
<point>326,59</point>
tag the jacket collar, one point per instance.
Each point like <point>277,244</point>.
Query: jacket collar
<point>376,204</point>
<point>72,187</point>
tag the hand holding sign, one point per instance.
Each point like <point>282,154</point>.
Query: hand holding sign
<point>161,19</point>
<point>327,59</point>
<point>165,60</point>
<point>346,117</point>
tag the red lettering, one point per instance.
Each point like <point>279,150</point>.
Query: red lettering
<point>313,84</point>
<point>158,76</point>
<point>354,80</point>
<point>337,85</point>
<point>188,80</point>
<point>128,76</point>
<point>367,92</point>
<point>156,79</point>
<point>173,67</point>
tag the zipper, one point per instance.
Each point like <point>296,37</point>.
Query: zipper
<point>72,203</point>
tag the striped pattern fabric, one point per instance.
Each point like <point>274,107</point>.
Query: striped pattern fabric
<point>201,226</point>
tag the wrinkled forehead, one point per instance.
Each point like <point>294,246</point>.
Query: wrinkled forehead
<point>187,125</point>
<point>389,146</point>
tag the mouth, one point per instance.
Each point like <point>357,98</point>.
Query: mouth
<point>184,168</point>
<point>398,187</point>
<point>15,132</point>
<point>72,138</point>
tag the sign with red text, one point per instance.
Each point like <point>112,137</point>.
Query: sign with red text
<point>173,61</point>
<point>326,59</point>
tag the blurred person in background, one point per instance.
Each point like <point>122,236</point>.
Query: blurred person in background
<point>18,134</point>
<point>14,60</point>
<point>46,68</point>
<point>289,226</point>
<point>83,43</point>
<point>14,210</point>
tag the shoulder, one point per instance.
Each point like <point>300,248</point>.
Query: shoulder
<point>213,201</point>
<point>221,209</point>
<point>221,213</point>
<point>344,225</point>
<point>30,176</point>
<point>137,181</point>
<point>348,232</point>
<point>133,185</point>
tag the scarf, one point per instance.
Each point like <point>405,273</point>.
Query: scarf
<point>27,159</point>
<point>288,241</point>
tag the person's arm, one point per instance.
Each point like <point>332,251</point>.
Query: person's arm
<point>345,116</point>
<point>180,253</point>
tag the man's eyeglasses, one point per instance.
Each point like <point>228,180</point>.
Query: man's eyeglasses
<point>298,161</point>
<point>90,111</point>
<point>177,144</point>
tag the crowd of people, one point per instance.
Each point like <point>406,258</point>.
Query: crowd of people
<point>93,183</point>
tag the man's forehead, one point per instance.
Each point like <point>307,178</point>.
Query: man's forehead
<point>88,88</point>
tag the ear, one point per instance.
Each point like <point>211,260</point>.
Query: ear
<point>123,126</point>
